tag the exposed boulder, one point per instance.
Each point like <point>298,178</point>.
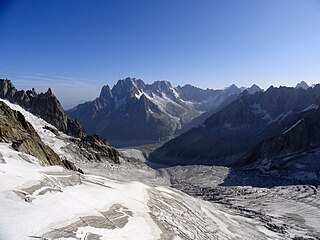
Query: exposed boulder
<point>71,166</point>
<point>92,148</point>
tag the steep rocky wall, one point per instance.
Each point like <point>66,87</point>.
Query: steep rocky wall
<point>16,130</point>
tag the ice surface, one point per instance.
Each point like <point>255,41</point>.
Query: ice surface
<point>131,201</point>
<point>133,153</point>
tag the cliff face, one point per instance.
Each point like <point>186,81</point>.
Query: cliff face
<point>16,130</point>
<point>45,105</point>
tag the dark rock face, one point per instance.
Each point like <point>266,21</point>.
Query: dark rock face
<point>238,127</point>
<point>300,133</point>
<point>133,112</point>
<point>94,149</point>
<point>44,105</point>
<point>16,130</point>
<point>70,165</point>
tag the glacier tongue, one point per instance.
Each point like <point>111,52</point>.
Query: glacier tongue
<point>54,203</point>
<point>126,201</point>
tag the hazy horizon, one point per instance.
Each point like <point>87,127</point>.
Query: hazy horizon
<point>94,90</point>
<point>76,47</point>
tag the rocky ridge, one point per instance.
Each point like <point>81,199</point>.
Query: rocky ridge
<point>87,149</point>
<point>133,112</point>
<point>16,130</point>
<point>237,128</point>
<point>44,105</point>
<point>294,145</point>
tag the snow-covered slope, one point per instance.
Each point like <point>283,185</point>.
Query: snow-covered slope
<point>53,203</point>
<point>50,202</point>
<point>48,137</point>
<point>133,153</point>
<point>291,211</point>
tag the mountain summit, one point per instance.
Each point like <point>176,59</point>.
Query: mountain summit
<point>302,85</point>
<point>133,112</point>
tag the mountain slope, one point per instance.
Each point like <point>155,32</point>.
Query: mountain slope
<point>16,130</point>
<point>234,130</point>
<point>51,202</point>
<point>295,144</point>
<point>133,112</point>
<point>45,105</point>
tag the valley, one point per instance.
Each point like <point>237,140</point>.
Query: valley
<point>96,191</point>
<point>159,120</point>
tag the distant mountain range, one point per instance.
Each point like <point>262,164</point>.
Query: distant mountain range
<point>266,125</point>
<point>230,127</point>
<point>133,112</point>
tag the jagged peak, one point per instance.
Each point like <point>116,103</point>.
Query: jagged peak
<point>130,81</point>
<point>49,91</point>
<point>46,105</point>
<point>7,83</point>
<point>105,92</point>
<point>302,85</point>
<point>162,82</point>
<point>189,86</point>
<point>161,85</point>
<point>255,86</point>
<point>127,87</point>
<point>253,89</point>
<point>232,89</point>
<point>6,80</point>
<point>270,88</point>
<point>232,86</point>
<point>31,93</point>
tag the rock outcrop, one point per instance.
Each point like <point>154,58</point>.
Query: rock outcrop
<point>16,130</point>
<point>94,149</point>
<point>45,105</point>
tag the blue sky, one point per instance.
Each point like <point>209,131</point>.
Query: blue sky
<point>76,46</point>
